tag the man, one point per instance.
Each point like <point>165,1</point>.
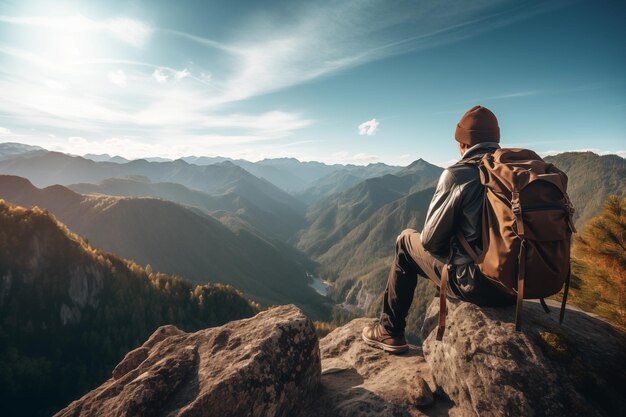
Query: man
<point>456,206</point>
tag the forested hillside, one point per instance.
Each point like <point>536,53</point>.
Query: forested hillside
<point>592,178</point>
<point>331,219</point>
<point>270,223</point>
<point>69,312</point>
<point>178,240</point>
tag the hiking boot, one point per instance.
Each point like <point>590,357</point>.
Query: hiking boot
<point>376,335</point>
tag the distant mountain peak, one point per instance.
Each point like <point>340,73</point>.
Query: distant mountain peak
<point>418,163</point>
<point>17,145</point>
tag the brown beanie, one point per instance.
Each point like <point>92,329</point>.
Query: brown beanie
<point>477,125</point>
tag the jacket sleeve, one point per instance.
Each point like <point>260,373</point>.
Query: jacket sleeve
<point>440,219</point>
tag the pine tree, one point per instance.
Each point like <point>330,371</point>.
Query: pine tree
<point>599,263</point>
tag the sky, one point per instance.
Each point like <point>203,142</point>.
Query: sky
<point>352,81</point>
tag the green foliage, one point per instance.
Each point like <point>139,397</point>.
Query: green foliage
<point>599,264</point>
<point>69,312</point>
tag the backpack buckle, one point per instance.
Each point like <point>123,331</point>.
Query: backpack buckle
<point>571,208</point>
<point>515,204</point>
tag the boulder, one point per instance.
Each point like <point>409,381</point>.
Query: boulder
<point>361,381</point>
<point>268,365</point>
<point>574,369</point>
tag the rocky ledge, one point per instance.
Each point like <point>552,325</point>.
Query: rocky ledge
<point>274,365</point>
<point>268,365</point>
<point>487,369</point>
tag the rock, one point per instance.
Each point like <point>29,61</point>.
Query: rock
<point>268,365</point>
<point>131,361</point>
<point>361,381</point>
<point>488,369</point>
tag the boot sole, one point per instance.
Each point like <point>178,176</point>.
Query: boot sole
<point>384,346</point>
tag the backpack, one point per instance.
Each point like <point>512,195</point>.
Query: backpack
<point>526,229</point>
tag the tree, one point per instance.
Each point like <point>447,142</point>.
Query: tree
<point>599,263</point>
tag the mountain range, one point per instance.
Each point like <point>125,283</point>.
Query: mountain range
<point>337,222</point>
<point>177,239</point>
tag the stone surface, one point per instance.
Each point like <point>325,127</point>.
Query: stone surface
<point>361,381</point>
<point>488,369</point>
<point>268,365</point>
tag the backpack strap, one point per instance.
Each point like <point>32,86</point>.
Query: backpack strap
<point>443,287</point>
<point>544,305</point>
<point>565,291</point>
<point>468,248</point>
<point>521,272</point>
<point>521,267</point>
<point>443,290</point>
<point>571,211</point>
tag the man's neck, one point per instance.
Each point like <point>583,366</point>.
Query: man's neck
<point>480,146</point>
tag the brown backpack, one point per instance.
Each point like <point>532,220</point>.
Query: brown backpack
<point>526,229</point>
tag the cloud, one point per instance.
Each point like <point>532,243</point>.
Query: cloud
<point>5,131</point>
<point>51,89</point>
<point>130,31</point>
<point>324,37</point>
<point>179,75</point>
<point>159,76</point>
<point>369,128</point>
<point>117,77</point>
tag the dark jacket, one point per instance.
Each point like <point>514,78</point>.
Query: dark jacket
<point>457,206</point>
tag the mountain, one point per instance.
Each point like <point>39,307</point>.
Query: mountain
<point>334,217</point>
<point>352,257</point>
<point>205,160</point>
<point>9,150</point>
<point>592,178</point>
<point>343,179</point>
<point>226,177</point>
<point>358,265</point>
<point>301,178</point>
<point>267,222</point>
<point>176,239</point>
<point>105,157</point>
<point>69,312</point>
<point>56,168</point>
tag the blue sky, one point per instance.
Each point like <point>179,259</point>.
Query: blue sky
<point>350,81</point>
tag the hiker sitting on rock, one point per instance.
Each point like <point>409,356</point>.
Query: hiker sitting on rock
<point>449,250</point>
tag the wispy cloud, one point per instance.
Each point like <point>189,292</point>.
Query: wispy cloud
<point>192,99</point>
<point>327,37</point>
<point>369,128</point>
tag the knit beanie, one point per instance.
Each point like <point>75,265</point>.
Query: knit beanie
<point>477,125</point>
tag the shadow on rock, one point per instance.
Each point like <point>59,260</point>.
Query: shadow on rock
<point>488,369</point>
